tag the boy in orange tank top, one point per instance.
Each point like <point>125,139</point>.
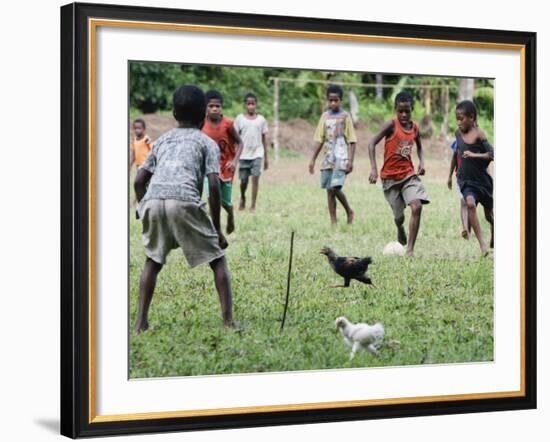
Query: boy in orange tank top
<point>401,184</point>
<point>141,146</point>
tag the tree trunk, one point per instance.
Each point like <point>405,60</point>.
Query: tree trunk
<point>465,89</point>
<point>379,89</point>
<point>276,118</point>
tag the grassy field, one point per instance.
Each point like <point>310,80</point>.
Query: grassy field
<point>438,305</point>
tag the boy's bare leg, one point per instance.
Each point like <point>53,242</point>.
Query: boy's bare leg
<point>230,219</point>
<point>474,222</point>
<point>344,201</point>
<point>147,283</point>
<point>401,234</point>
<point>491,220</point>
<point>255,185</point>
<point>414,225</point>
<point>244,185</point>
<point>464,217</point>
<point>223,286</point>
<point>331,199</point>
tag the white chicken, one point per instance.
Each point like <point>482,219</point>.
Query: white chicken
<point>361,336</point>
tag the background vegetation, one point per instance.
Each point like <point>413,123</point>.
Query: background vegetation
<point>152,86</point>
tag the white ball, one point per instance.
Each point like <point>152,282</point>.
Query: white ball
<point>393,249</point>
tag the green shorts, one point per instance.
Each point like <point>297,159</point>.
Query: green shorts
<point>332,179</point>
<point>226,191</point>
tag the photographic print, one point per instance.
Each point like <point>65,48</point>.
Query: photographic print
<point>282,220</point>
<point>386,181</point>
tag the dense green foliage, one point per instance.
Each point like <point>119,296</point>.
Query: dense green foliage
<point>438,305</point>
<point>152,86</point>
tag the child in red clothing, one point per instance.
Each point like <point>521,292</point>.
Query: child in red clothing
<point>222,131</point>
<point>401,184</point>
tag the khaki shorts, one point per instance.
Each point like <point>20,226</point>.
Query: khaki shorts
<point>169,224</point>
<point>402,193</point>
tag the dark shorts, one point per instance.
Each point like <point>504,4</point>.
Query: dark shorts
<point>478,195</point>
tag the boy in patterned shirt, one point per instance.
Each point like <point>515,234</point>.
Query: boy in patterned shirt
<point>335,133</point>
<point>168,188</point>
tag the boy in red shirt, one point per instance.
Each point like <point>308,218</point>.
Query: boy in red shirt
<point>221,130</point>
<point>401,184</point>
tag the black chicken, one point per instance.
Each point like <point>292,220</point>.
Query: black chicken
<point>349,267</point>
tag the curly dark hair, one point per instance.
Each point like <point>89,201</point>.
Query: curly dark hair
<point>189,104</point>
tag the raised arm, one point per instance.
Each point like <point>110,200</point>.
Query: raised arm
<point>489,153</point>
<point>385,131</point>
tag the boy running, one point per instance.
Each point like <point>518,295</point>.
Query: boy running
<point>168,187</point>
<point>455,164</point>
<point>401,184</point>
<point>252,128</point>
<point>335,133</point>
<point>473,178</point>
<point>221,130</point>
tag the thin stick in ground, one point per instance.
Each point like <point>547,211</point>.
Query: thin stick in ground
<point>288,278</point>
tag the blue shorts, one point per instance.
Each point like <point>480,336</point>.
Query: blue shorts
<point>332,178</point>
<point>250,168</point>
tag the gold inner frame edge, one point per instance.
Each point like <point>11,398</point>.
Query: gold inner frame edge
<point>93,24</point>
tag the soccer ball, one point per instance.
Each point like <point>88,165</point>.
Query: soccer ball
<point>393,249</point>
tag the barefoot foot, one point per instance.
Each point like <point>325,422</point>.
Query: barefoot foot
<point>351,216</point>
<point>242,204</point>
<point>465,234</point>
<point>139,328</point>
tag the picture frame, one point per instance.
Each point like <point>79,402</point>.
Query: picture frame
<point>80,240</point>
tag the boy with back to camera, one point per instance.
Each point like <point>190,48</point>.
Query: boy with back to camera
<point>168,188</point>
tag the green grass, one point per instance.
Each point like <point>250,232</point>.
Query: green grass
<point>438,305</point>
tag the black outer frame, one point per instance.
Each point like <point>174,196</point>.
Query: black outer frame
<point>75,219</point>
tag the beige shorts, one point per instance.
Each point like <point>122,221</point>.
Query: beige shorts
<point>402,193</point>
<point>169,224</point>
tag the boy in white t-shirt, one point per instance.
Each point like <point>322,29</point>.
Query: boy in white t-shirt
<point>252,129</point>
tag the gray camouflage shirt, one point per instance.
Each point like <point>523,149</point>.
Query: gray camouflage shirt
<point>179,161</point>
